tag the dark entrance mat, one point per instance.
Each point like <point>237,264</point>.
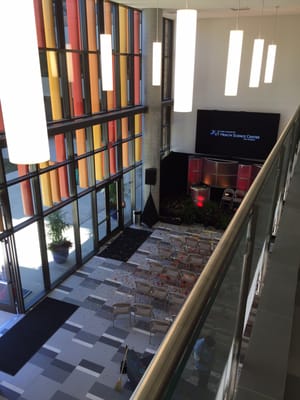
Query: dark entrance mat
<point>126,244</point>
<point>24,339</point>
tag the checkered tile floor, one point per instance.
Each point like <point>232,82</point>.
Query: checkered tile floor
<point>82,359</point>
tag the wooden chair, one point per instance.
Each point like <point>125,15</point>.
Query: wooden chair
<point>196,263</point>
<point>177,241</point>
<point>170,276</point>
<point>121,309</point>
<point>187,279</point>
<point>155,267</point>
<point>165,251</point>
<point>142,310</point>
<point>192,244</point>
<point>159,294</point>
<point>205,247</point>
<point>158,326</point>
<point>175,301</point>
<point>227,198</point>
<point>181,259</point>
<point>142,288</point>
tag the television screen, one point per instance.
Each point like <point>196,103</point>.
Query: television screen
<point>236,135</point>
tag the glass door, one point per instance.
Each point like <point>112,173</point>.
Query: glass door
<point>127,194</point>
<point>114,206</point>
<point>109,209</point>
<point>101,214</point>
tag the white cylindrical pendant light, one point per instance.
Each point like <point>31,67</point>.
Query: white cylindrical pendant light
<point>21,90</point>
<point>156,63</point>
<point>186,25</point>
<point>106,62</point>
<point>233,62</point>
<point>270,63</point>
<point>258,48</point>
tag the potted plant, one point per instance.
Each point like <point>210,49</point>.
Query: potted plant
<point>58,244</point>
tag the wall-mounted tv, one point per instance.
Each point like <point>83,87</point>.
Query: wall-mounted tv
<point>236,135</point>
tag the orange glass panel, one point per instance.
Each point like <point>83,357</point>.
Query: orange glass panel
<point>125,157</point>
<point>26,191</point>
<point>38,11</point>
<point>55,184</point>
<point>138,141</point>
<point>107,17</point>
<point>112,129</point>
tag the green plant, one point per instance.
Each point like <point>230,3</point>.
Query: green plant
<point>189,212</point>
<point>184,208</point>
<point>56,228</point>
<point>212,215</point>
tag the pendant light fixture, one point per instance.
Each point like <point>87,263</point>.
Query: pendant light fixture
<point>21,90</point>
<point>271,55</point>
<point>185,46</point>
<point>156,57</point>
<point>257,55</point>
<point>106,61</point>
<point>234,59</point>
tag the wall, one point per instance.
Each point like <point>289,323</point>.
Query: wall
<point>211,57</point>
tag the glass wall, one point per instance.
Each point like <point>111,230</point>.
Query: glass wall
<point>30,263</point>
<point>94,176</point>
<point>95,139</point>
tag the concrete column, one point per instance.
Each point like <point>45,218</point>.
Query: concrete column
<point>151,96</point>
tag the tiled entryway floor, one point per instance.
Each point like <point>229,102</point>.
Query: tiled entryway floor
<point>82,359</point>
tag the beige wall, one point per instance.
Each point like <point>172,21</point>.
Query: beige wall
<point>282,96</point>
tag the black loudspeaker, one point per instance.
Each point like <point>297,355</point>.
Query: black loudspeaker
<point>150,176</point>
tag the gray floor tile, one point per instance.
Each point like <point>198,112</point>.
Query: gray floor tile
<point>91,366</point>
<point>59,395</point>
<point>110,342</point>
<point>78,384</point>
<point>56,373</point>
<point>41,360</point>
<point>86,337</point>
<point>117,332</point>
<point>105,392</point>
<point>41,388</point>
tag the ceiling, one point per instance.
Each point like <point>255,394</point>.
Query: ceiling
<point>220,8</point>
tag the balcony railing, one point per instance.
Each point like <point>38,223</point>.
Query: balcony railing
<point>220,302</point>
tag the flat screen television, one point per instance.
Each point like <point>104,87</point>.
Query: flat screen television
<point>236,135</point>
